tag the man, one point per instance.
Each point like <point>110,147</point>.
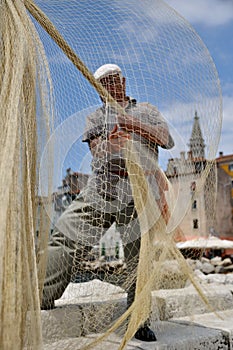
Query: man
<point>108,198</point>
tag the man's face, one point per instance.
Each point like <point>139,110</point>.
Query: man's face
<point>115,85</point>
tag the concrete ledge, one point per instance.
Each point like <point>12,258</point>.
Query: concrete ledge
<point>222,321</point>
<point>77,321</point>
<point>170,303</point>
<point>84,308</point>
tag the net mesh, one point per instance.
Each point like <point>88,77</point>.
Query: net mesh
<point>112,243</point>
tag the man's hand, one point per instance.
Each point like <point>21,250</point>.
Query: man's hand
<point>117,139</point>
<point>115,142</point>
<point>126,122</point>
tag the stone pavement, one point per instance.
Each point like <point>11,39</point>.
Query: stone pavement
<point>171,336</point>
<point>180,327</point>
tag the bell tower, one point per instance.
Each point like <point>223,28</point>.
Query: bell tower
<point>196,142</point>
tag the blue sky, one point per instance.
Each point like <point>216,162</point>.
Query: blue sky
<point>162,58</point>
<point>213,21</point>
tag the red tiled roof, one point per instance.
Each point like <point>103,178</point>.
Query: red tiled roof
<point>223,159</point>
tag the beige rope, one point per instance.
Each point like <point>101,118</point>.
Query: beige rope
<point>44,21</point>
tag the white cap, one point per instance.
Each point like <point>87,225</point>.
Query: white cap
<point>107,69</point>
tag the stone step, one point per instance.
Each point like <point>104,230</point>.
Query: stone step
<point>70,324</point>
<point>84,308</point>
<point>170,303</point>
<point>222,320</point>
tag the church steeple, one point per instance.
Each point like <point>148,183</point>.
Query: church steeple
<point>196,142</point>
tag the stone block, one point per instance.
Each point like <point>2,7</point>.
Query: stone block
<point>207,268</point>
<point>223,321</point>
<point>84,308</point>
<point>167,304</point>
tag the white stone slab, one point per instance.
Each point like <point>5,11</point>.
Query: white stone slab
<point>170,303</point>
<point>92,291</point>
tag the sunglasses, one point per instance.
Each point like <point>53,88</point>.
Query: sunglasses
<point>114,79</point>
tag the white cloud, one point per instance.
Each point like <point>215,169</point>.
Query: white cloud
<point>208,12</point>
<point>144,35</point>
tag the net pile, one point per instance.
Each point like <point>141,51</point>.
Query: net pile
<point>25,90</point>
<point>135,219</point>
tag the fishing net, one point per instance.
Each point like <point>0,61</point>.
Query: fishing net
<point>99,229</point>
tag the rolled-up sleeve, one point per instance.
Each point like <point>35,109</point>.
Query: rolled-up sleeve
<point>154,117</point>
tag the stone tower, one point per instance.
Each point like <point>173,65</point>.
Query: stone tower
<point>194,192</point>
<point>196,142</point>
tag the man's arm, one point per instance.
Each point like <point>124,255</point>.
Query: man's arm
<point>158,134</point>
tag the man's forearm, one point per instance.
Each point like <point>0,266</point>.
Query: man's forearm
<point>154,133</point>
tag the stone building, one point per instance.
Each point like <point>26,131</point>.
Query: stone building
<point>72,184</point>
<point>194,182</point>
<point>224,205</point>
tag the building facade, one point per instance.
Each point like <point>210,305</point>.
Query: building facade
<point>224,205</point>
<point>72,184</point>
<point>194,182</point>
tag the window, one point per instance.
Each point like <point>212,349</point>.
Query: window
<point>103,250</point>
<point>194,205</point>
<point>230,167</point>
<point>193,186</point>
<point>195,223</point>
